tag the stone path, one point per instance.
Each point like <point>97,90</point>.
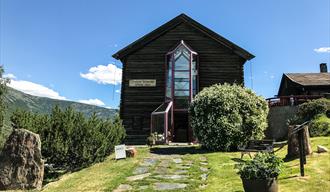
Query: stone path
<point>167,173</point>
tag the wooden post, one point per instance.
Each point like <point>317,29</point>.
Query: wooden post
<point>302,156</point>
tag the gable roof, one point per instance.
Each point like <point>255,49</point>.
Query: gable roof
<point>306,79</point>
<point>182,18</point>
<point>309,79</point>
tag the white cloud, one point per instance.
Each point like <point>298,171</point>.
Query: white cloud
<point>117,91</point>
<point>322,50</point>
<point>96,102</point>
<point>34,89</point>
<point>102,74</point>
<point>9,75</point>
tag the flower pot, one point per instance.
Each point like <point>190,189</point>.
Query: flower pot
<point>266,185</point>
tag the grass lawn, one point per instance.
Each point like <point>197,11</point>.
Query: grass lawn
<point>107,175</point>
<point>317,171</point>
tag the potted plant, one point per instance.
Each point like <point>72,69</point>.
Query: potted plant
<point>260,174</point>
<point>151,140</point>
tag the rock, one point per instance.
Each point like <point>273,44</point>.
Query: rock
<point>141,170</point>
<point>322,149</point>
<point>169,186</point>
<point>21,165</point>
<point>149,162</point>
<point>177,160</point>
<point>138,177</point>
<point>172,177</point>
<point>293,143</point>
<point>161,170</point>
<point>123,187</point>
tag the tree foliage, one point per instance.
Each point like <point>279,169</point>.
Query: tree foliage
<point>69,139</point>
<point>3,86</point>
<point>224,117</point>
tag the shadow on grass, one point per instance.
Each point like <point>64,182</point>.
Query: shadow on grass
<point>289,177</point>
<point>288,158</point>
<point>178,150</point>
<point>238,160</point>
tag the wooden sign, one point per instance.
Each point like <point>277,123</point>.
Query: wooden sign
<point>120,152</point>
<point>142,83</point>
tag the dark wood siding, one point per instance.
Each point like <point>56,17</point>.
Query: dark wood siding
<point>217,64</point>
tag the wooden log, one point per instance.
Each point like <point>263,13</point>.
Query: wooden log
<point>293,143</point>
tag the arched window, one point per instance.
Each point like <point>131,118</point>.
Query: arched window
<point>181,76</point>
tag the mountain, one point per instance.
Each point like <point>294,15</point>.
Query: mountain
<point>15,99</point>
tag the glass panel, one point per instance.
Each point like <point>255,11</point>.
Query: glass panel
<point>182,93</point>
<point>158,127</point>
<point>194,73</point>
<point>194,85</point>
<point>181,74</point>
<point>182,63</point>
<point>169,78</point>
<point>181,85</point>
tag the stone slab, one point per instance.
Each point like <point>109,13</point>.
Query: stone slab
<point>138,177</point>
<point>123,187</point>
<point>169,186</point>
<point>141,170</point>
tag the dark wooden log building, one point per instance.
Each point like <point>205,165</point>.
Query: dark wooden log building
<point>305,83</point>
<point>297,88</point>
<point>165,69</point>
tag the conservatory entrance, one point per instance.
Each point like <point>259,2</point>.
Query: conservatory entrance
<point>170,120</point>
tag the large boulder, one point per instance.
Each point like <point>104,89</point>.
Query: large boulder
<point>293,143</point>
<point>21,165</point>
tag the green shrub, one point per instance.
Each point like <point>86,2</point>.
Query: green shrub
<point>224,117</point>
<point>262,166</point>
<point>316,112</point>
<point>307,111</point>
<point>69,139</point>
<point>320,126</point>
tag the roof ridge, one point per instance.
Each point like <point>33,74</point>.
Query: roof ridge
<point>173,23</point>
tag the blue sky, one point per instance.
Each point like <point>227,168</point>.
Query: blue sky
<point>62,48</point>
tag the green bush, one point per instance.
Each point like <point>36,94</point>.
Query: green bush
<point>69,139</point>
<point>262,166</point>
<point>224,117</point>
<point>316,112</point>
<point>307,111</point>
<point>320,126</point>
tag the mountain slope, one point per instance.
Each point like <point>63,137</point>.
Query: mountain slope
<point>15,99</point>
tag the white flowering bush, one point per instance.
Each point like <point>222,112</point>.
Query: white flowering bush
<point>224,117</point>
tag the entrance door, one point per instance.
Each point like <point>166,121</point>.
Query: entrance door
<point>180,127</point>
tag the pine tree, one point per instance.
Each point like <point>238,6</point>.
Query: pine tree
<point>3,88</point>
